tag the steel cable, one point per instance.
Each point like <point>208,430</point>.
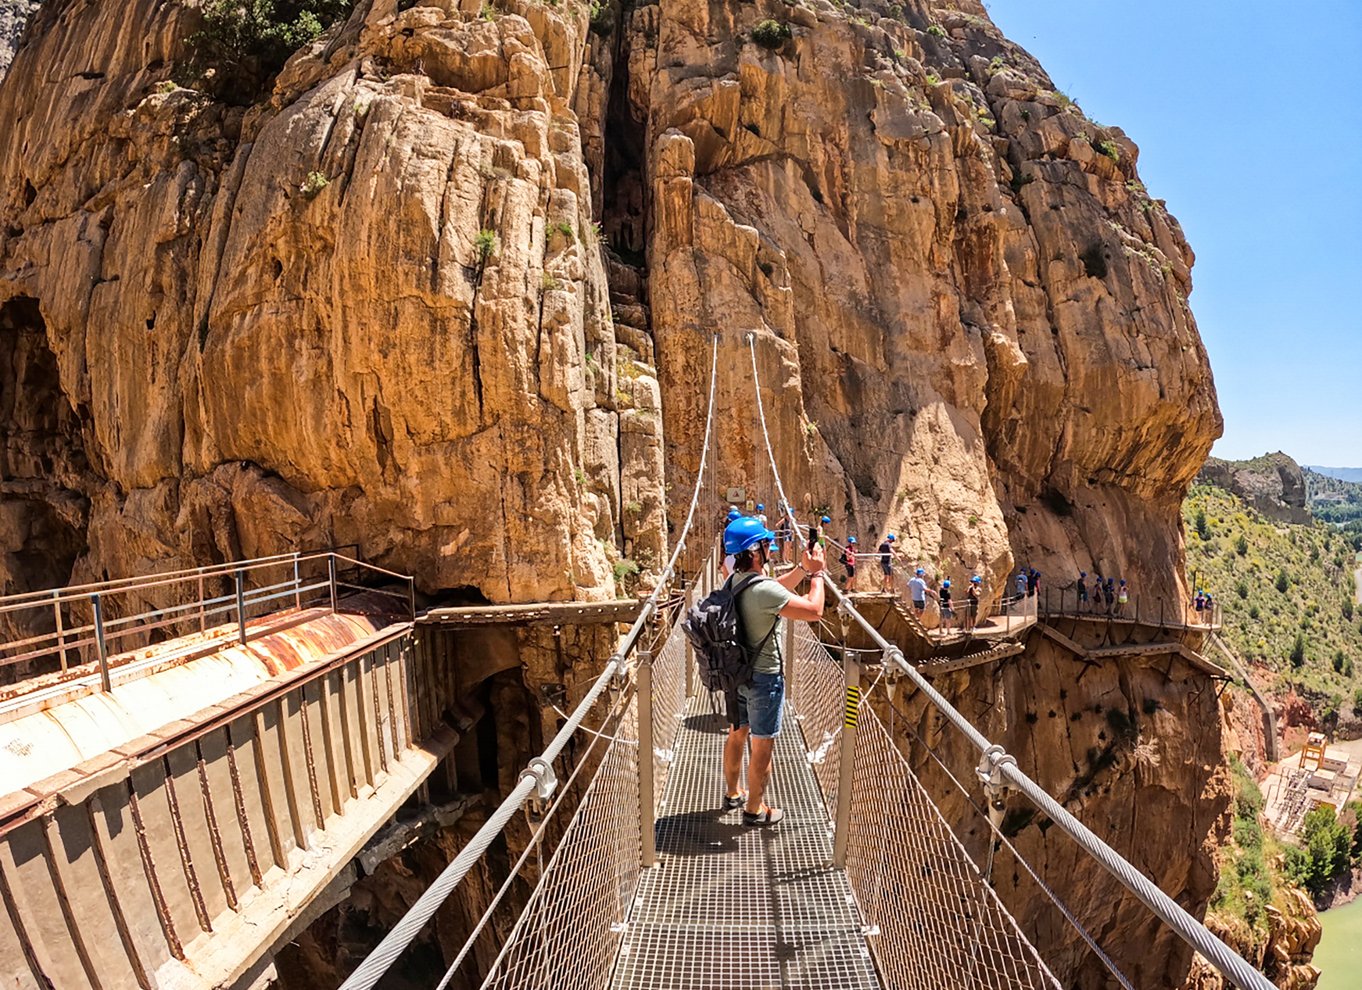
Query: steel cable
<point>539,772</point>
<point>1180,921</point>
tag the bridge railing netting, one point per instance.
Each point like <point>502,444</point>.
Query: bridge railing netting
<point>932,918</point>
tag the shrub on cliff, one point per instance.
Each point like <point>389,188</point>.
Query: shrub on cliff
<point>771,34</point>
<point>243,44</point>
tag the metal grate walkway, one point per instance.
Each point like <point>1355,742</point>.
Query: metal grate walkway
<point>735,908</point>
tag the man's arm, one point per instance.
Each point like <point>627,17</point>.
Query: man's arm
<point>806,608</point>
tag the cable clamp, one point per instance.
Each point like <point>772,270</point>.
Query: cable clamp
<point>990,774</point>
<point>545,780</point>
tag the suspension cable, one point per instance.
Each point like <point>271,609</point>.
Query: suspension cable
<point>1197,935</point>
<point>538,776</point>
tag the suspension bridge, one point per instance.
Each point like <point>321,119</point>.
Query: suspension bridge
<point>314,703</point>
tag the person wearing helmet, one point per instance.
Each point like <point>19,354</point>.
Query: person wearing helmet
<point>761,513</point>
<point>1082,591</point>
<point>918,591</point>
<point>784,536</point>
<point>976,588</point>
<point>886,552</point>
<point>947,612</point>
<point>1122,597</point>
<point>763,605</point>
<point>849,562</point>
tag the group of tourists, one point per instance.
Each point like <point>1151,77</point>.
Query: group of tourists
<point>1106,595</point>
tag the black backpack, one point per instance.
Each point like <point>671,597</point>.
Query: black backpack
<point>715,630</point>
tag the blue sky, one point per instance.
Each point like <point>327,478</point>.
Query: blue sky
<point>1246,120</point>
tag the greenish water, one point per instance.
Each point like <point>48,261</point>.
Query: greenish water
<point>1339,955</point>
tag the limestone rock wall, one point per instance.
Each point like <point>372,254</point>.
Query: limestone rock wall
<point>971,319</point>
<point>373,309</point>
<point>1273,484</point>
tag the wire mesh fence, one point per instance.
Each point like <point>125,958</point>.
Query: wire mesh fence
<point>568,934</point>
<point>934,919</point>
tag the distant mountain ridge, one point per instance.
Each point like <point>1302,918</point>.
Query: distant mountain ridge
<point>1342,474</point>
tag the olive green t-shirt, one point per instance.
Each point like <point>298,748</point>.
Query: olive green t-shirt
<point>758,606</point>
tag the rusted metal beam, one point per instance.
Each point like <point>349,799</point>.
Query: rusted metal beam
<point>534,614</point>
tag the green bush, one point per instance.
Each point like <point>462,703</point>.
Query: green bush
<point>243,44</point>
<point>1324,851</point>
<point>1283,582</point>
<point>602,18</point>
<point>1202,529</point>
<point>313,184</point>
<point>1298,651</point>
<point>771,34</point>
<point>1241,545</point>
<point>936,31</point>
<point>485,244</point>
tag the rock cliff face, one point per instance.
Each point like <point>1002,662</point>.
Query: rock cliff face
<point>1274,484</point>
<point>372,310</point>
<point>971,319</point>
<point>1284,956</point>
<point>375,308</point>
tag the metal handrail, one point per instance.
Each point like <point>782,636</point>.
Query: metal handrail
<point>538,776</point>
<point>103,630</point>
<point>997,765</point>
<point>152,580</point>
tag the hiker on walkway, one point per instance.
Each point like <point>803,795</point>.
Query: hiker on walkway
<point>918,591</point>
<point>886,552</point>
<point>976,587</point>
<point>1082,591</point>
<point>727,566</point>
<point>1122,597</point>
<point>754,709</point>
<point>761,514</point>
<point>1209,614</point>
<point>944,597</point>
<point>1021,587</point>
<point>823,523</point>
<point>1199,604</point>
<point>783,534</point>
<point>849,562</point>
<point>1109,594</point>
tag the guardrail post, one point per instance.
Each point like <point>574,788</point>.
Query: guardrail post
<point>297,585</point>
<point>644,672</point>
<point>61,632</point>
<point>787,660</point>
<point>203,618</point>
<point>411,596</point>
<point>847,766</point>
<point>331,579</point>
<point>100,645</point>
<point>690,649</point>
<point>239,581</point>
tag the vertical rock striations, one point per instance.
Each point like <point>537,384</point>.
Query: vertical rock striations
<point>371,310</point>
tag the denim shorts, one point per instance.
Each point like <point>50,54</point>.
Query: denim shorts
<point>758,705</point>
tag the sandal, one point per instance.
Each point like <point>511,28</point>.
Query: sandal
<point>736,801</point>
<point>766,816</point>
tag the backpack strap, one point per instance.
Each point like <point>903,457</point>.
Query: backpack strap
<point>737,613</point>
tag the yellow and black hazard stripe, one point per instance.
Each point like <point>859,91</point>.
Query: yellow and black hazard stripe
<point>852,708</point>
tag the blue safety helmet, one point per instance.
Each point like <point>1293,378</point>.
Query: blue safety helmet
<point>851,540</point>
<point>890,537</point>
<point>760,507</point>
<point>946,583</point>
<point>976,580</point>
<point>825,520</point>
<point>920,572</point>
<point>745,533</point>
<point>733,513</point>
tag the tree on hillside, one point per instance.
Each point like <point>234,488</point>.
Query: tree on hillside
<point>1324,852</point>
<point>1202,529</point>
<point>1298,651</point>
<point>1283,582</point>
<point>1241,545</point>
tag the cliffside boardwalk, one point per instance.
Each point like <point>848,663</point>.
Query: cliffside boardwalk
<point>641,888</point>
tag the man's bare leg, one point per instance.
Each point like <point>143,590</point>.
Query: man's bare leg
<point>733,750</point>
<point>758,772</point>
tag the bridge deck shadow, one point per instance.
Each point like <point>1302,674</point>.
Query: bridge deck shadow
<point>729,906</point>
